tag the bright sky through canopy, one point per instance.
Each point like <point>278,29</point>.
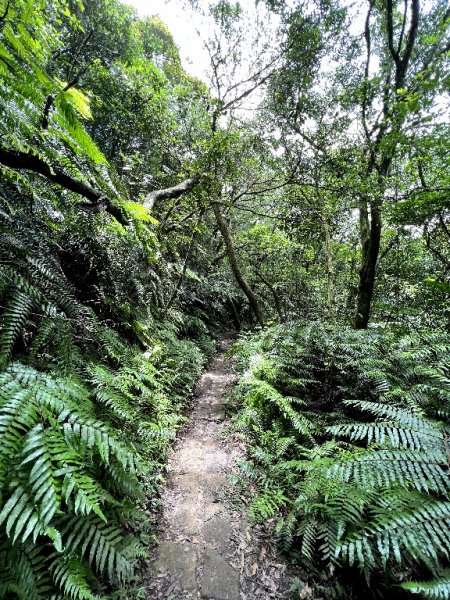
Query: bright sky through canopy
<point>183,26</point>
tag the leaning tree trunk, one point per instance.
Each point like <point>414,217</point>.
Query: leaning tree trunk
<point>370,248</point>
<point>274,294</point>
<point>231,253</point>
<point>187,258</point>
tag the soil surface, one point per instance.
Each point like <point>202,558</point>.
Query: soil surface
<point>207,548</point>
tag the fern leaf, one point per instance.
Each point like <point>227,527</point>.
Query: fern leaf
<point>15,316</point>
<point>437,589</point>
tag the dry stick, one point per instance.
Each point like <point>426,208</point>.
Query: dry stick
<point>274,294</point>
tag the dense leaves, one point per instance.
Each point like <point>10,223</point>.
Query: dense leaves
<point>348,444</point>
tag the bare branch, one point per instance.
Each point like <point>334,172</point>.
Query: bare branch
<point>173,192</point>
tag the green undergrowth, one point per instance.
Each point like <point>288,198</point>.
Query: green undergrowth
<point>81,459</point>
<point>92,392</point>
<point>348,445</point>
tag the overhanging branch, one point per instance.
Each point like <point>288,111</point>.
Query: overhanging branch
<point>172,192</point>
<point>29,162</point>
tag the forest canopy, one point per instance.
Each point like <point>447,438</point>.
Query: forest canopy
<point>299,195</point>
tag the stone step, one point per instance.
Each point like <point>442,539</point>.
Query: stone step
<point>219,580</point>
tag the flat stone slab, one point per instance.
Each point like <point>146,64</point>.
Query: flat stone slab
<point>202,411</point>
<point>213,483</point>
<point>185,518</point>
<point>212,509</point>
<point>179,561</point>
<point>219,580</point>
<point>206,457</point>
<point>191,484</point>
<point>187,483</point>
<point>217,532</point>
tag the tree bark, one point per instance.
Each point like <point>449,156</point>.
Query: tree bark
<point>380,158</point>
<point>29,162</point>
<point>231,253</point>
<point>369,251</point>
<point>330,269</point>
<point>173,192</point>
<point>274,294</point>
<point>98,201</point>
<point>234,314</point>
<point>177,287</point>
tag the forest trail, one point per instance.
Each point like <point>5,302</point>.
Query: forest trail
<point>207,548</point>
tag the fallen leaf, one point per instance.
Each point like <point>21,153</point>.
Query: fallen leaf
<point>254,569</point>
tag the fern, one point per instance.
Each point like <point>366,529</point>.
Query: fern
<point>376,495</point>
<point>437,589</point>
<point>14,318</point>
<point>53,452</point>
<point>100,543</point>
<point>421,533</point>
<point>70,575</point>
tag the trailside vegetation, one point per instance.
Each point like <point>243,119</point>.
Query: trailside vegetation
<point>348,445</point>
<point>93,382</point>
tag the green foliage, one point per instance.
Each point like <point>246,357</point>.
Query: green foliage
<point>57,465</point>
<point>92,384</point>
<point>438,589</point>
<point>378,501</point>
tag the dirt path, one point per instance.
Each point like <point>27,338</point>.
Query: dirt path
<point>207,549</point>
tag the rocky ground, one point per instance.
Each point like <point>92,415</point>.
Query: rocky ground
<point>207,547</point>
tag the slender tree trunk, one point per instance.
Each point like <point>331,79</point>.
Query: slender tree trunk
<point>370,247</point>
<point>176,289</point>
<point>231,253</point>
<point>330,269</point>
<point>380,156</point>
<point>235,314</point>
<point>274,294</point>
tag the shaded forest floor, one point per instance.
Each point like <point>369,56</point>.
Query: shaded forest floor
<point>207,547</point>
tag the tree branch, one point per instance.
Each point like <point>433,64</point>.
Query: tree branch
<point>51,97</point>
<point>368,40</point>
<point>390,33</point>
<point>29,162</point>
<point>410,41</point>
<point>173,192</point>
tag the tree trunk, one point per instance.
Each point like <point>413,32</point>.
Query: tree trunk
<point>274,294</point>
<point>330,269</point>
<point>370,248</point>
<point>231,253</point>
<point>234,314</point>
<point>177,287</point>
